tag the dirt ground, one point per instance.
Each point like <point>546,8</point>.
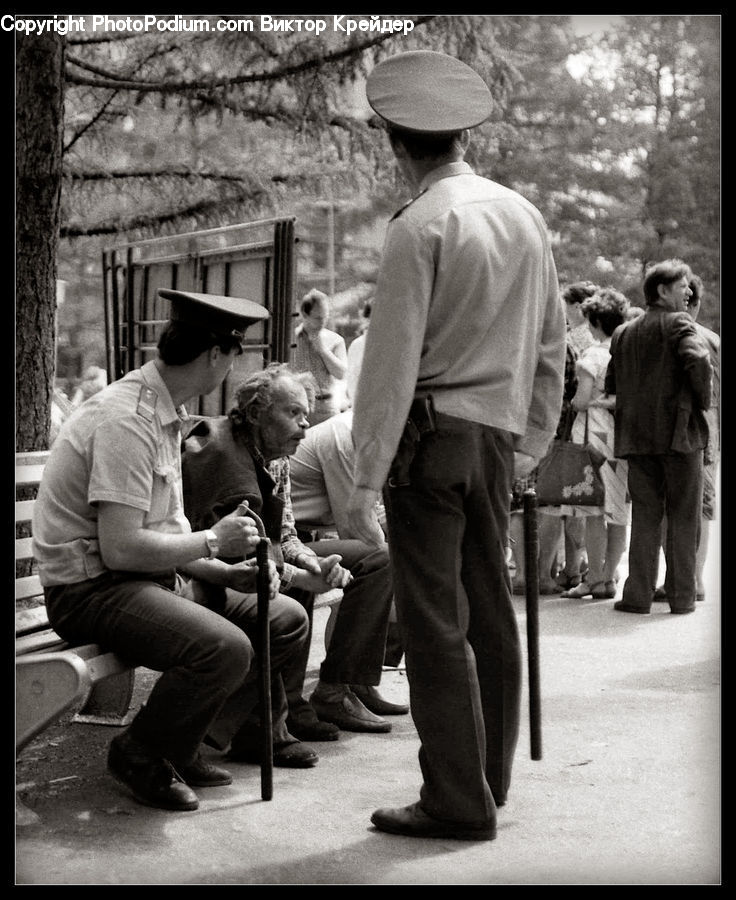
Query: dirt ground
<point>628,790</point>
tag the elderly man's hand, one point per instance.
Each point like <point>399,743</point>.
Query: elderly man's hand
<point>331,575</point>
<point>243,577</point>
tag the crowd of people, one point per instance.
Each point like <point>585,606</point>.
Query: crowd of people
<point>475,359</point>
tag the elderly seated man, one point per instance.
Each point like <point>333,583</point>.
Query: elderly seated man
<point>244,457</point>
<point>321,482</point>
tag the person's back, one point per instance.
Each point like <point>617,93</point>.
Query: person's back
<point>477,339</point>
<point>658,405</point>
<point>462,380</point>
<point>660,374</point>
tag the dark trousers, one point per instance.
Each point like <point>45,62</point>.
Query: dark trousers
<point>448,533</point>
<point>668,485</point>
<point>358,643</point>
<point>206,658</point>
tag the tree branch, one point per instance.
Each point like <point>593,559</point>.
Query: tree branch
<point>111,80</point>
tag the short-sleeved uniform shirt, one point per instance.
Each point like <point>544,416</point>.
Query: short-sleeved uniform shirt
<point>121,446</point>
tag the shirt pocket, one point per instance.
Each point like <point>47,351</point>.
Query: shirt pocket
<point>164,491</point>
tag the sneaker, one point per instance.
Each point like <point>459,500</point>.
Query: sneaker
<point>151,779</point>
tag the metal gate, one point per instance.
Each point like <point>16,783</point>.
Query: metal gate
<point>254,260</point>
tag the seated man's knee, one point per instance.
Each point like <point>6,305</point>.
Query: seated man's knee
<point>288,618</point>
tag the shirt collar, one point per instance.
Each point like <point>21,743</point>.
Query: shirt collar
<point>447,171</point>
<point>165,409</point>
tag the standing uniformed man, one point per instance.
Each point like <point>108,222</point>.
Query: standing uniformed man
<point>111,540</point>
<point>461,386</point>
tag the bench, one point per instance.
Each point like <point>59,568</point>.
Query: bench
<point>52,676</point>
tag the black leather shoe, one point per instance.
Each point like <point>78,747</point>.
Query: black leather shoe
<point>659,595</point>
<point>289,755</point>
<point>412,821</point>
<point>152,780</point>
<point>372,700</point>
<point>312,729</point>
<point>348,713</point>
<point>201,773</point>
<point>623,606</point>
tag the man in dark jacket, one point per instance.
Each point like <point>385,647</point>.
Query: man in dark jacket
<point>660,372</point>
<point>246,457</point>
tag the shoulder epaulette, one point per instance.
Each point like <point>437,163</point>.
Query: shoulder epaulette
<point>147,400</point>
<point>406,205</point>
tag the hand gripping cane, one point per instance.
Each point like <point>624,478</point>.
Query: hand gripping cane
<point>263,553</point>
<point>531,554</point>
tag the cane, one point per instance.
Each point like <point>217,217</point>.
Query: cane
<point>264,672</point>
<point>531,554</point>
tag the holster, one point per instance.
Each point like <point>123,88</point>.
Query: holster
<point>421,421</point>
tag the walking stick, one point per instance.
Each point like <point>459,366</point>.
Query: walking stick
<point>531,554</point>
<point>264,671</point>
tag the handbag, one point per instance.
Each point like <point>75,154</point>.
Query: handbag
<point>569,475</point>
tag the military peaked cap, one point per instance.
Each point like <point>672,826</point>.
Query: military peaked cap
<point>220,315</point>
<point>428,93</point>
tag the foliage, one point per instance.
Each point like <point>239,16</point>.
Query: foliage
<point>172,132</point>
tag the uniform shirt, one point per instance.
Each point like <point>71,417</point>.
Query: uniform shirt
<point>120,446</point>
<point>322,476</point>
<point>467,309</point>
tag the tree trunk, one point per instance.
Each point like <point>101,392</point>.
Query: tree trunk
<point>39,133</point>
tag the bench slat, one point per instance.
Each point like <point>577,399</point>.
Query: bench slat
<point>24,548</point>
<point>29,586</point>
<point>38,642</point>
<point>32,457</point>
<point>27,620</point>
<point>28,476</point>
<point>24,510</point>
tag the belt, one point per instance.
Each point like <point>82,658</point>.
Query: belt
<point>323,397</point>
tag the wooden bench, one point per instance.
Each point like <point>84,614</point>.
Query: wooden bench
<point>52,676</point>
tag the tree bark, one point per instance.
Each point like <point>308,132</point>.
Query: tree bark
<point>39,133</point>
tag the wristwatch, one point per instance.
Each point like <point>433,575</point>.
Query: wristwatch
<point>213,544</point>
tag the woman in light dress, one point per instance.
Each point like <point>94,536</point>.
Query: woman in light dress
<point>605,527</point>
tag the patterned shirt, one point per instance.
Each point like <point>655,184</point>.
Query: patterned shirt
<point>291,547</point>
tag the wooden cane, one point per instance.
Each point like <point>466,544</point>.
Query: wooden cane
<point>531,554</point>
<point>264,671</point>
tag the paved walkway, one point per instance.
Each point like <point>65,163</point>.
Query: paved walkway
<point>627,791</point>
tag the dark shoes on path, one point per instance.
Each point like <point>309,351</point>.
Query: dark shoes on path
<point>339,705</point>
<point>412,821</point>
<point>373,701</point>
<point>152,780</point>
<point>286,755</point>
<point>201,773</point>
